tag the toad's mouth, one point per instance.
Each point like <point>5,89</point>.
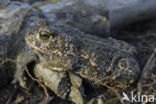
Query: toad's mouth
<point>36,45</point>
<point>59,69</point>
<point>56,62</point>
<point>36,48</point>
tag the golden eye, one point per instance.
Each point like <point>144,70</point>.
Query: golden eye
<point>44,35</point>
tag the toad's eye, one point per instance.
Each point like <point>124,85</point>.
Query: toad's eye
<point>44,35</point>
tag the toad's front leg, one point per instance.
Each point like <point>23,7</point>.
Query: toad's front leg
<point>66,85</point>
<point>58,82</point>
<point>77,91</point>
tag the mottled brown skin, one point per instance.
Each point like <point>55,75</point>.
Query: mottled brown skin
<point>56,53</point>
<point>63,49</point>
<point>93,58</point>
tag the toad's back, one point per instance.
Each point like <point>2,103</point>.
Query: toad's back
<point>95,58</point>
<point>101,59</point>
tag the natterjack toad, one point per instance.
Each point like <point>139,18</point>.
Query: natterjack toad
<point>64,48</point>
<point>69,54</point>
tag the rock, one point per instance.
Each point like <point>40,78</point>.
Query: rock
<point>4,3</point>
<point>78,15</point>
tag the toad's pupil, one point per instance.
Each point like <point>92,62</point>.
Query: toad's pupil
<point>44,35</point>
